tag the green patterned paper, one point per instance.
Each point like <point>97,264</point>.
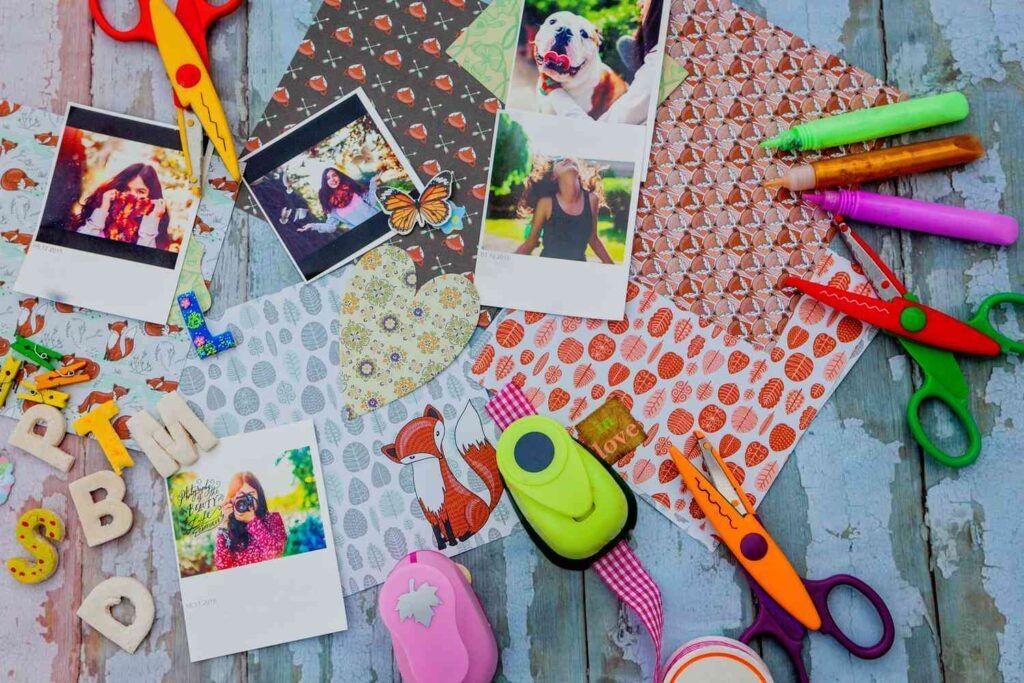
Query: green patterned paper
<point>487,47</point>
<point>191,280</point>
<point>394,338</point>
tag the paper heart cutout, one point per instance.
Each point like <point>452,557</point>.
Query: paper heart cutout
<point>395,339</point>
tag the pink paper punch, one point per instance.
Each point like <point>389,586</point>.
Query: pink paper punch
<point>438,628</point>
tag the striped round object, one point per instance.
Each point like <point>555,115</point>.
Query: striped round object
<point>718,659</point>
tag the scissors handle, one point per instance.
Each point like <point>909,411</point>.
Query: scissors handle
<point>820,590</point>
<point>982,321</point>
<point>143,30</point>
<point>772,621</point>
<point>943,382</point>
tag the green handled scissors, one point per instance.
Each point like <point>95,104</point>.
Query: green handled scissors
<point>929,336</point>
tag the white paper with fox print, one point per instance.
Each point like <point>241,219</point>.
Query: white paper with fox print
<point>130,361</point>
<point>285,369</point>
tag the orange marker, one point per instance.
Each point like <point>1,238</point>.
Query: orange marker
<point>881,164</point>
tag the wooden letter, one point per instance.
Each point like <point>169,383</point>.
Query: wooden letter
<point>37,544</point>
<point>172,447</point>
<point>43,447</point>
<point>97,422</point>
<point>91,513</point>
<point>95,611</point>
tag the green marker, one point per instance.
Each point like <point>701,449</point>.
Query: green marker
<point>873,123</point>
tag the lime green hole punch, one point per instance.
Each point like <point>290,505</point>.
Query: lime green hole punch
<point>573,505</point>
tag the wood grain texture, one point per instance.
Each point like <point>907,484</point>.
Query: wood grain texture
<point>859,495</point>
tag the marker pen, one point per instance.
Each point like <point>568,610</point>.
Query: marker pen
<point>873,123</point>
<point>881,164</point>
<point>913,214</point>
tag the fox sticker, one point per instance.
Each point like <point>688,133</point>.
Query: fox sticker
<point>454,512</point>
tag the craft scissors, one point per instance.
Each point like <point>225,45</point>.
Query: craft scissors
<point>929,336</point>
<point>788,604</point>
<point>180,36</point>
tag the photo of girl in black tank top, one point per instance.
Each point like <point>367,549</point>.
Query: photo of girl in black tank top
<point>564,209</point>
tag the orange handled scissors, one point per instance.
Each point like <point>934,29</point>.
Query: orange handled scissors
<point>788,604</point>
<point>180,36</point>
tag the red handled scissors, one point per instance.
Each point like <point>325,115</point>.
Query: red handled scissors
<point>930,337</point>
<point>788,605</point>
<point>181,38</point>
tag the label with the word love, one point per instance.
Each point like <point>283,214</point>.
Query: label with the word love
<point>611,431</point>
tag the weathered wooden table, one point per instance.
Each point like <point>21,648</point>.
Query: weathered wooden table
<point>941,546</point>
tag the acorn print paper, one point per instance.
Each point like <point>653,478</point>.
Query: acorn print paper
<point>440,115</point>
<point>677,373</point>
<point>395,339</point>
<point>708,235</point>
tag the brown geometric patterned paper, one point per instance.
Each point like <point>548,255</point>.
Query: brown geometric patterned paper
<point>708,235</point>
<point>440,115</point>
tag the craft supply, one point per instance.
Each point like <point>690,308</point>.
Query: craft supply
<point>929,336</point>
<point>881,164</point>
<point>98,423</point>
<point>170,445</point>
<point>438,628</point>
<point>573,505</point>
<point>6,478</point>
<point>50,397</point>
<point>8,375</point>
<point>913,214</point>
<point>431,208</point>
<point>395,338</point>
<point>44,446</point>
<point>37,544</point>
<point>788,604</point>
<point>95,611</point>
<point>611,431</point>
<point>36,353</point>
<point>91,512</point>
<point>181,39</point>
<point>205,342</point>
<point>72,373</point>
<point>718,659</point>
<point>872,123</point>
<point>619,568</point>
<point>251,519</point>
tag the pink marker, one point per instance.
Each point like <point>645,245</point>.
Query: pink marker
<point>911,214</point>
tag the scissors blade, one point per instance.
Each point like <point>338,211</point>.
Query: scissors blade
<point>191,81</point>
<point>750,544</point>
<point>191,130</point>
<point>721,479</point>
<point>878,273</point>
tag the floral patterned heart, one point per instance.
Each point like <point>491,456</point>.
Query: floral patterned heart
<point>393,338</point>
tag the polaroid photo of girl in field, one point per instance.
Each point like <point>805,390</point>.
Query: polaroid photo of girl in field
<point>119,213</point>
<point>559,218</point>
<point>250,518</point>
<point>316,184</point>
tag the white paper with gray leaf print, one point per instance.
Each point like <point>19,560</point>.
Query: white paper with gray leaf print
<point>285,369</point>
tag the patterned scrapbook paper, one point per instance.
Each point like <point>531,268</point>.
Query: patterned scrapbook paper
<point>132,362</point>
<point>440,115</point>
<point>486,48</point>
<point>286,369</point>
<point>708,235</point>
<point>678,372</point>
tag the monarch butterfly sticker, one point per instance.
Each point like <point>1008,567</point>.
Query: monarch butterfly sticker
<point>430,208</point>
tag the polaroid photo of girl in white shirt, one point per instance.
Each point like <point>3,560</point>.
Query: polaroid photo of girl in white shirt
<point>118,215</point>
<point>316,184</point>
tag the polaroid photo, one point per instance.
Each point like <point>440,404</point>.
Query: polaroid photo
<point>316,184</point>
<point>559,218</point>
<point>118,217</point>
<point>593,59</point>
<point>252,534</point>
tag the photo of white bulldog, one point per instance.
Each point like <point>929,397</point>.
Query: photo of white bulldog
<point>566,50</point>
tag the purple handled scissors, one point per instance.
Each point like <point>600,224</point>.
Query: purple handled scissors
<point>788,604</point>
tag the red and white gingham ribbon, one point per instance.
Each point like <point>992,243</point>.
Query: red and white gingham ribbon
<point>619,568</point>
